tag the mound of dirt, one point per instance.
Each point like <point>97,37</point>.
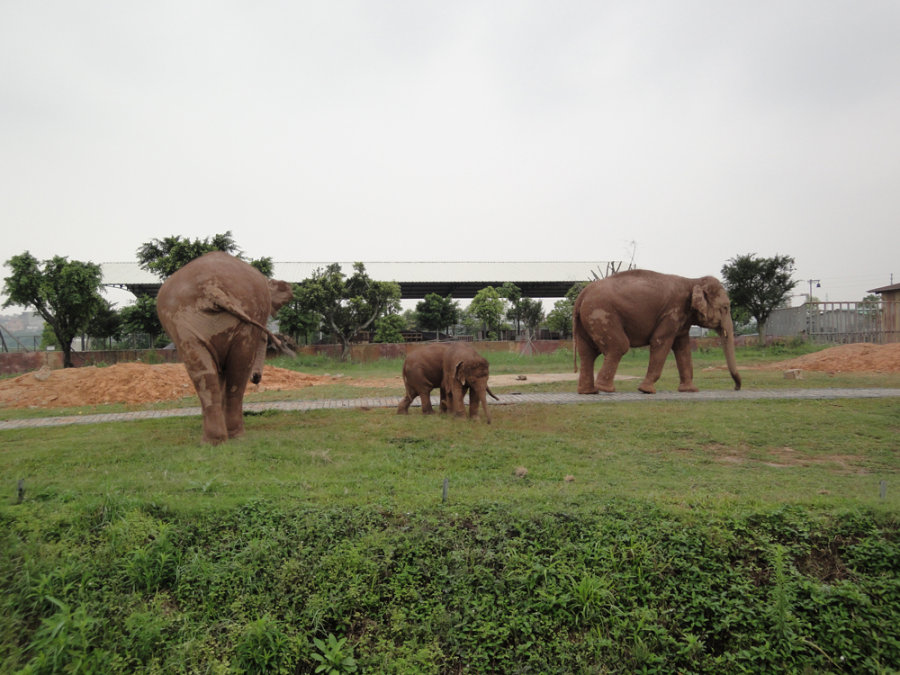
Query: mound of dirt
<point>142,383</point>
<point>125,383</point>
<point>854,358</point>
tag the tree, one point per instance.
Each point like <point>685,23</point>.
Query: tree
<point>560,317</point>
<point>513,295</point>
<point>388,328</point>
<point>296,321</point>
<point>532,314</point>
<point>66,294</point>
<point>141,317</point>
<point>347,305</point>
<point>163,257</point>
<point>759,285</point>
<point>105,324</point>
<point>488,307</point>
<point>437,313</point>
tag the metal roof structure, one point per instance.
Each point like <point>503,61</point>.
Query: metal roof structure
<point>416,279</point>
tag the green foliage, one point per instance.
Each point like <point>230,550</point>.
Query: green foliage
<point>488,306</point>
<point>106,324</point>
<point>296,321</point>
<point>346,305</point>
<point>437,313</point>
<point>163,257</point>
<point>388,328</point>
<point>758,285</point>
<point>334,656</point>
<point>141,317</point>
<point>66,294</point>
<point>559,318</point>
<point>608,586</point>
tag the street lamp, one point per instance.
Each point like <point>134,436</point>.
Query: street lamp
<point>811,282</point>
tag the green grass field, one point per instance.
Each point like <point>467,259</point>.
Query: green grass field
<point>631,537</point>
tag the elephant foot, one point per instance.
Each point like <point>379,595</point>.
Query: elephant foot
<point>688,388</point>
<point>647,389</point>
<point>591,390</point>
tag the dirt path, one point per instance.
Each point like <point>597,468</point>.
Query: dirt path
<point>141,383</point>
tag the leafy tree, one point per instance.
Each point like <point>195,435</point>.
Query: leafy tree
<point>759,285</point>
<point>141,317</point>
<point>437,313</point>
<point>163,257</point>
<point>105,324</point>
<point>296,321</point>
<point>388,328</point>
<point>532,314</point>
<point>560,317</point>
<point>513,295</point>
<point>347,305</point>
<point>66,294</point>
<point>489,307</point>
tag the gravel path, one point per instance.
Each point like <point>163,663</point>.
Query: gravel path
<point>505,399</point>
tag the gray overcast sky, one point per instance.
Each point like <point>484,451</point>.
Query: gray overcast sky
<point>683,133</point>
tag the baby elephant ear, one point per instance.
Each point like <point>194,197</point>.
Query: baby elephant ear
<point>458,373</point>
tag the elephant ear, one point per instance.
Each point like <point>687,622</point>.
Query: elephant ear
<point>700,303</point>
<point>458,373</point>
<point>280,293</point>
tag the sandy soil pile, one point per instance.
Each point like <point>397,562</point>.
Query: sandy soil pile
<point>855,358</point>
<point>125,383</point>
<point>142,383</point>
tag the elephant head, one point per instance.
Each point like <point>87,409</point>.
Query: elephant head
<point>712,309</point>
<point>470,373</point>
<point>280,293</point>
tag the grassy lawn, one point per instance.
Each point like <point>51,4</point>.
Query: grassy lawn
<point>630,537</point>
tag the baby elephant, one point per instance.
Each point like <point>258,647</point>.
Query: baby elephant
<point>455,368</point>
<point>466,370</point>
<point>423,370</point>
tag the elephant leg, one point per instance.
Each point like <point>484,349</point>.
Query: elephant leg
<point>607,374</point>
<point>587,354</point>
<point>406,401</point>
<point>425,400</point>
<point>659,350</point>
<point>444,403</point>
<point>209,384</point>
<point>238,368</point>
<point>682,349</point>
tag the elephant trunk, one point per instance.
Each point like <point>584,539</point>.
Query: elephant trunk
<point>726,332</point>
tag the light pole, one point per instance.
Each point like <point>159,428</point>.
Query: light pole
<point>811,282</point>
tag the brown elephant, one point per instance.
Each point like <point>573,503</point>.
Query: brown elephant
<point>215,310</point>
<point>639,308</point>
<point>423,370</point>
<point>465,370</point>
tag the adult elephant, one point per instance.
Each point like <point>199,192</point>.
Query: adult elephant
<point>465,370</point>
<point>639,308</point>
<point>423,370</point>
<point>215,310</point>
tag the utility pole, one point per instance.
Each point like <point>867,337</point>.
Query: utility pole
<point>818,284</point>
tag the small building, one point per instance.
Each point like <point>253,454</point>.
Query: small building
<point>890,303</point>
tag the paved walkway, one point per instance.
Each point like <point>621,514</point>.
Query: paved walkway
<point>505,399</point>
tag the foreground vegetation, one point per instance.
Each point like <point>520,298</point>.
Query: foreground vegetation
<point>635,537</point>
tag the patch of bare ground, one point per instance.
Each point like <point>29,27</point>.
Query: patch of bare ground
<point>135,383</point>
<point>785,458</point>
<point>855,358</point>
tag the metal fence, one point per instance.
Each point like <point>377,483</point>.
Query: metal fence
<point>838,322</point>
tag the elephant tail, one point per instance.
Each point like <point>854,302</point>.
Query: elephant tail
<point>223,303</point>
<point>574,340</point>
<point>491,393</point>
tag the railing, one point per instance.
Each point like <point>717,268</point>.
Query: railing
<point>838,322</point>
